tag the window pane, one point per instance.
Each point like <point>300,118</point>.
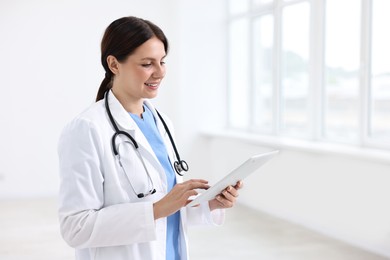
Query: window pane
<point>238,6</point>
<point>380,78</point>
<point>295,55</point>
<point>261,2</point>
<point>263,68</point>
<point>342,70</point>
<point>239,112</point>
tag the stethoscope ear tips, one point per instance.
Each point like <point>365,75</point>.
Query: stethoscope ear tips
<point>141,195</point>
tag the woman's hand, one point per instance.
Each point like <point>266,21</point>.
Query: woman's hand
<point>227,198</point>
<point>178,197</point>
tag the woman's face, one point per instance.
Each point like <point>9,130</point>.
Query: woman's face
<point>140,75</point>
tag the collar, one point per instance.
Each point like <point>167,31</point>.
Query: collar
<point>124,121</point>
<point>121,116</point>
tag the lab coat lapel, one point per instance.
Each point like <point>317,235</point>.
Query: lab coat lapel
<point>121,116</point>
<point>126,123</point>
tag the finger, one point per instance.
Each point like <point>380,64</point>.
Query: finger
<point>197,185</point>
<point>190,193</point>
<point>224,202</point>
<point>239,185</point>
<point>198,180</point>
<point>196,205</point>
<point>233,191</point>
<point>191,185</point>
<point>229,196</point>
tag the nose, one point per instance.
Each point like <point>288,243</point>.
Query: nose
<point>159,71</point>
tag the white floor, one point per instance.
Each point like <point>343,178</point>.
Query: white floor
<point>29,230</point>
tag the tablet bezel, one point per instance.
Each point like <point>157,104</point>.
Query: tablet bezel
<point>240,173</point>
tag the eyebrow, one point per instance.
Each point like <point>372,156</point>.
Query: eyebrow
<point>149,58</point>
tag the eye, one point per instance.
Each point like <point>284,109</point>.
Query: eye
<point>146,65</point>
<point>162,63</point>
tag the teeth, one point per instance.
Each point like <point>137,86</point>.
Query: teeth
<point>151,85</point>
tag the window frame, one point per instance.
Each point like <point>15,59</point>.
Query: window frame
<point>316,94</point>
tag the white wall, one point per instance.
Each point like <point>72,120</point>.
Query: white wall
<point>50,71</point>
<point>202,98</point>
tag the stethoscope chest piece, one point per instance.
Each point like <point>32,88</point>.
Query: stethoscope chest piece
<point>180,166</point>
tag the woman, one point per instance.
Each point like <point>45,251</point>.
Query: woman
<point>119,195</point>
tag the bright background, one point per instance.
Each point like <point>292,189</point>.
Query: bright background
<point>50,72</point>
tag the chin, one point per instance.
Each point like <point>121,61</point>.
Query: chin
<point>151,96</point>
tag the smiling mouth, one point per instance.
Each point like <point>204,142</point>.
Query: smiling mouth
<point>151,84</point>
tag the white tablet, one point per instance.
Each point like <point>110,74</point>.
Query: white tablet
<point>240,173</point>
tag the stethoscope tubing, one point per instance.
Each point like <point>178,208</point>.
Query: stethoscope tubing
<point>179,165</point>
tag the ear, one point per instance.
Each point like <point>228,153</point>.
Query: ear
<point>113,64</point>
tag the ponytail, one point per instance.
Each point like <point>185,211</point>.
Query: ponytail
<point>104,86</point>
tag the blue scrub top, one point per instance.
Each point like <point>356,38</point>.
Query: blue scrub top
<point>148,126</point>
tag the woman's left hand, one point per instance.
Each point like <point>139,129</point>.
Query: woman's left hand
<point>227,198</point>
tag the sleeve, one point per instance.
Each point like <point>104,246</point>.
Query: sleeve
<point>201,215</point>
<point>84,221</point>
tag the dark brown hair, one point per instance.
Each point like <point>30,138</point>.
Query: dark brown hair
<point>120,40</point>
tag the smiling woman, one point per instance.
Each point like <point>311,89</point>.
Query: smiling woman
<point>118,161</point>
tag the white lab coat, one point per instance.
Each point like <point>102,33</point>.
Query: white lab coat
<point>99,213</point>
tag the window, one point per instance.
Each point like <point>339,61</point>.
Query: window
<point>315,70</point>
<point>342,63</point>
<point>239,76</point>
<point>294,70</point>
<point>263,73</point>
<point>379,124</point>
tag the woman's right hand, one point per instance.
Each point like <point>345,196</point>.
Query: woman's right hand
<point>178,197</point>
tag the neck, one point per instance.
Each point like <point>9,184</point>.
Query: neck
<point>134,106</point>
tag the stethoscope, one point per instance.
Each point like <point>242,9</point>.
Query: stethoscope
<point>179,165</point>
